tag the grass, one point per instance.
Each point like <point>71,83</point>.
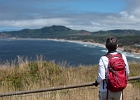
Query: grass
<point>31,75</point>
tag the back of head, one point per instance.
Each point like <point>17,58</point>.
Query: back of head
<point>111,43</point>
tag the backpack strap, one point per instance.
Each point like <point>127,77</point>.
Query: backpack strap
<point>108,55</point>
<point>107,82</point>
<point>107,95</point>
<point>119,54</point>
<point>122,94</point>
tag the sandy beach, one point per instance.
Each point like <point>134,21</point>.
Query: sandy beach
<point>78,41</point>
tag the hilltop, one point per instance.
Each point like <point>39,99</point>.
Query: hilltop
<point>57,31</point>
<point>129,40</point>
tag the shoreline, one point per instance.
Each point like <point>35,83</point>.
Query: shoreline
<point>75,41</point>
<point>96,44</point>
<point>78,41</point>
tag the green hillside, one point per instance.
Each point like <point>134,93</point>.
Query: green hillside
<point>129,40</point>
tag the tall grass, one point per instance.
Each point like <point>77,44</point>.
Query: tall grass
<point>24,74</point>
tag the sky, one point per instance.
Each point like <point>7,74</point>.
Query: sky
<point>90,15</point>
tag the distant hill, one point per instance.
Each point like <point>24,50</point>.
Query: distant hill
<point>45,32</point>
<point>58,31</point>
<point>119,32</point>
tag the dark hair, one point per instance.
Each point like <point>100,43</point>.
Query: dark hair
<point>111,43</point>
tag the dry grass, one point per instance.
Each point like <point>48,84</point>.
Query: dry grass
<point>25,75</point>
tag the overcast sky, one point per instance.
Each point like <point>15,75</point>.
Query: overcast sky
<point>91,15</point>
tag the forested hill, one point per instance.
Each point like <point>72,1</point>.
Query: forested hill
<point>45,32</point>
<point>128,39</point>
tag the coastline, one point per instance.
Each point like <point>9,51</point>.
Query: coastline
<point>95,44</point>
<point>77,41</point>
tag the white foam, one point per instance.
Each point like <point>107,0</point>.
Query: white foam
<point>104,50</point>
<point>131,55</point>
<point>137,56</point>
<point>93,45</point>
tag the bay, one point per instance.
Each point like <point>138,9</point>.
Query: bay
<point>72,52</point>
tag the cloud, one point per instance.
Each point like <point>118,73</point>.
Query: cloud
<point>20,14</point>
<point>33,23</point>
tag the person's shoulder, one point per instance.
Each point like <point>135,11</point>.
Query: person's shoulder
<point>103,57</point>
<point>124,57</point>
<point>104,60</point>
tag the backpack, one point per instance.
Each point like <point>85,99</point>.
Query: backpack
<point>116,76</point>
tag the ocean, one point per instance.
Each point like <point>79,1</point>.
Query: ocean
<point>72,52</point>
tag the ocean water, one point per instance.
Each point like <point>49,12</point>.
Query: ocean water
<point>72,52</point>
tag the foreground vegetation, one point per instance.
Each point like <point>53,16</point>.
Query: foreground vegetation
<point>26,75</point>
